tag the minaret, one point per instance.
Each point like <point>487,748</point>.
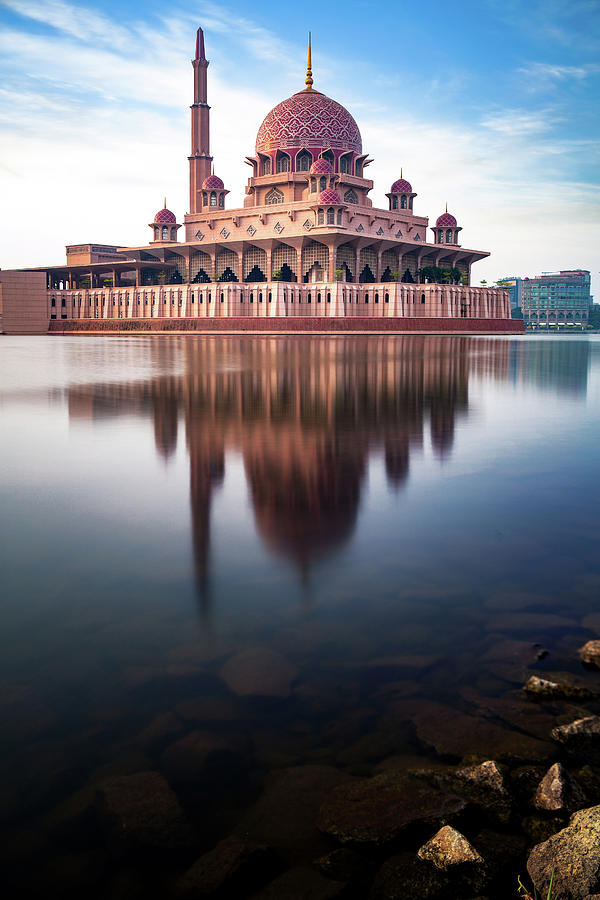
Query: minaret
<point>200,160</point>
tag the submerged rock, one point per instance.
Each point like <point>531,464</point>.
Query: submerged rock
<point>488,775</point>
<point>260,672</point>
<point>590,654</point>
<point>233,865</point>
<point>448,848</point>
<point>555,690</point>
<point>559,791</point>
<point>301,883</point>
<point>581,738</point>
<point>376,810</point>
<point>141,810</point>
<point>571,858</point>
<point>454,733</point>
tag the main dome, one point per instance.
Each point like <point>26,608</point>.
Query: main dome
<point>308,119</point>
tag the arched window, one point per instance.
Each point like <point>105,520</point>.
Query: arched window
<point>213,198</point>
<point>273,196</point>
<point>322,183</point>
<point>204,198</point>
<point>165,233</point>
<point>303,161</point>
<point>410,200</point>
<point>320,217</point>
<point>313,185</point>
<point>394,201</point>
<point>265,165</point>
<point>283,162</point>
<point>339,216</point>
<point>221,200</point>
<point>449,236</point>
<point>441,237</point>
<point>346,164</point>
<point>422,298</point>
<point>403,201</point>
<point>331,216</point>
<point>350,196</point>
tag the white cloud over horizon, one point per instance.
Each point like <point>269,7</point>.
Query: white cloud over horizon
<point>94,136</point>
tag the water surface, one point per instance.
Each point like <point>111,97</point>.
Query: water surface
<point>223,558</point>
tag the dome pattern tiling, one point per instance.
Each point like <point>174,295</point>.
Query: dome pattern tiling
<point>330,196</point>
<point>164,217</point>
<point>402,186</point>
<point>446,219</point>
<point>212,183</point>
<point>308,119</point>
<point>321,167</point>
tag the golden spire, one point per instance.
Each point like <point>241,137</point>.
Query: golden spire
<point>165,206</point>
<point>309,80</point>
<point>400,171</point>
<point>446,206</point>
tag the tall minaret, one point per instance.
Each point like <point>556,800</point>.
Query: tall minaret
<point>200,160</point>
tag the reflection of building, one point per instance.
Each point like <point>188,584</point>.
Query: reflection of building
<point>307,242</point>
<point>305,415</point>
<point>557,298</point>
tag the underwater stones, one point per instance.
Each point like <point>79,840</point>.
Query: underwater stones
<point>233,865</point>
<point>258,672</point>
<point>200,753</point>
<point>284,815</point>
<point>448,848</point>
<point>557,690</point>
<point>571,858</point>
<point>376,810</point>
<point>558,791</point>
<point>302,883</point>
<point>580,738</point>
<point>590,654</point>
<point>485,786</point>
<point>488,775</point>
<point>405,876</point>
<point>141,810</point>
<point>454,733</point>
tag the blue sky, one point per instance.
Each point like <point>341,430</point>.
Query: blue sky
<point>491,106</point>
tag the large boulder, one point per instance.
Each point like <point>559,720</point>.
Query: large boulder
<point>554,689</point>
<point>558,791</point>
<point>376,810</point>
<point>570,858</point>
<point>449,848</point>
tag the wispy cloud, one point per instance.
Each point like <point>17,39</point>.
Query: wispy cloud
<point>518,122</point>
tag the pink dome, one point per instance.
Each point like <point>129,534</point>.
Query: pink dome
<point>212,183</point>
<point>446,219</point>
<point>402,186</point>
<point>308,119</point>
<point>330,196</point>
<point>321,167</point>
<point>165,216</point>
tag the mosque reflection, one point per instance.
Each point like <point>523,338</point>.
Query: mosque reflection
<point>305,414</point>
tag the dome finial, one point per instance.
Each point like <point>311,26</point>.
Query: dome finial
<point>165,205</point>
<point>401,172</point>
<point>309,79</point>
<point>446,206</point>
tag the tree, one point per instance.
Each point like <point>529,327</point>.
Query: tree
<point>277,275</point>
<point>594,315</point>
<point>483,282</point>
<point>338,274</point>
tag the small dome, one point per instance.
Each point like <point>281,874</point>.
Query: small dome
<point>164,217</point>
<point>331,197</point>
<point>212,183</point>
<point>446,219</point>
<point>321,167</point>
<point>402,186</point>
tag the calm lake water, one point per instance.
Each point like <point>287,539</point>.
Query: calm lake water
<point>237,560</point>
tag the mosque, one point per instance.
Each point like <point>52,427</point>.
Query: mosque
<point>307,251</point>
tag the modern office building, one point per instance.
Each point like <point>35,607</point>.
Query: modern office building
<point>557,298</point>
<point>514,285</point>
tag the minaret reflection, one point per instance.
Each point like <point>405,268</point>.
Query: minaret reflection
<point>306,414</point>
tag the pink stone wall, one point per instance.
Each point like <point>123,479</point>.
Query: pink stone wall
<point>23,302</point>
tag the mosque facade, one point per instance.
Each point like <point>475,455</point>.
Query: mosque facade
<point>306,251</point>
